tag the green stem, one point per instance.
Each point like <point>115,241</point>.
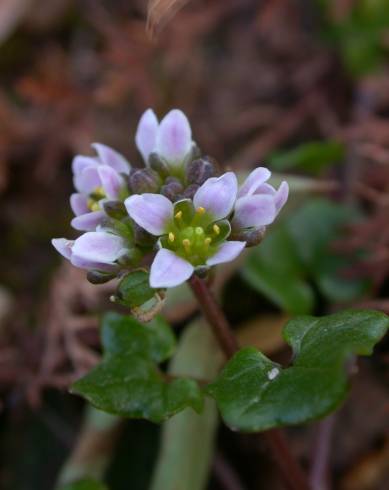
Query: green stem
<point>292,473</point>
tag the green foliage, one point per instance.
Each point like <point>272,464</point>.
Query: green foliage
<point>311,157</point>
<point>128,382</point>
<point>360,35</point>
<point>298,253</point>
<point>86,484</point>
<point>254,394</point>
<point>134,289</point>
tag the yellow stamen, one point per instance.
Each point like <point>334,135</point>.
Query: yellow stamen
<point>171,237</point>
<point>200,210</point>
<point>186,244</point>
<point>216,229</point>
<point>207,241</point>
<point>94,206</point>
<point>178,215</point>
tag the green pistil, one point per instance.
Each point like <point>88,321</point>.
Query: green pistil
<point>191,236</point>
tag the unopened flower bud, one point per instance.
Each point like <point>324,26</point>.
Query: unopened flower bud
<point>99,277</point>
<point>131,258</point>
<point>159,165</point>
<point>198,171</point>
<point>252,236</point>
<point>190,191</point>
<point>172,189</point>
<point>142,237</point>
<point>115,209</point>
<point>144,180</point>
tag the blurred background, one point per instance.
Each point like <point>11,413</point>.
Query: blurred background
<point>301,86</point>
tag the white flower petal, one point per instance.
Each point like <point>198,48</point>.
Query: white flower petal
<point>112,158</point>
<point>79,203</point>
<point>63,246</point>
<point>217,195</point>
<point>88,221</point>
<point>256,178</point>
<point>227,252</point>
<point>281,196</point>
<point>256,210</point>
<point>146,134</point>
<point>150,211</point>
<point>87,180</point>
<point>80,162</point>
<point>174,139</point>
<point>97,248</point>
<point>111,181</point>
<point>169,270</point>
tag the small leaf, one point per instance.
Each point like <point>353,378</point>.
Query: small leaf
<point>254,394</point>
<point>128,381</point>
<point>312,156</point>
<point>134,289</point>
<point>85,484</point>
<point>275,270</point>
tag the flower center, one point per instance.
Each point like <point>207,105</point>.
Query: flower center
<point>95,198</point>
<point>192,237</point>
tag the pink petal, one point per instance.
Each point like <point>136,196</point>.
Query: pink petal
<point>63,246</point>
<point>111,181</point>
<point>174,139</point>
<point>227,252</point>
<point>256,210</point>
<point>80,162</point>
<point>281,196</point>
<point>256,178</point>
<point>217,195</point>
<point>88,221</point>
<point>112,158</point>
<point>150,211</point>
<point>79,203</point>
<point>97,250</point>
<point>169,270</point>
<point>146,134</point>
<point>87,180</point>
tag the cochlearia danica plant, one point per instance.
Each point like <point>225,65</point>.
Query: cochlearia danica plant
<point>175,219</point>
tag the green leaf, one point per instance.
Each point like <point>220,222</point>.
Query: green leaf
<point>128,382</point>
<point>134,289</point>
<point>275,270</point>
<point>312,156</point>
<point>86,484</point>
<point>254,394</point>
<point>299,252</point>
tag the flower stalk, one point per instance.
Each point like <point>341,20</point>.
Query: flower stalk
<point>291,471</point>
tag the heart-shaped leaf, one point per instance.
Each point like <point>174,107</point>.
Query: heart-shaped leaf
<point>254,394</point>
<point>128,382</point>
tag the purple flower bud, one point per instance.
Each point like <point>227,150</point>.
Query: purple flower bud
<point>144,180</point>
<point>172,189</point>
<point>190,191</point>
<point>198,171</point>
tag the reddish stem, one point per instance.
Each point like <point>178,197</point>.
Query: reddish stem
<point>292,473</point>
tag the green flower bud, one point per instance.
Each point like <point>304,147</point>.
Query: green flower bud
<point>115,209</point>
<point>159,165</point>
<point>98,277</point>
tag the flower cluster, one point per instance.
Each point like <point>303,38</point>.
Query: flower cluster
<point>177,209</point>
